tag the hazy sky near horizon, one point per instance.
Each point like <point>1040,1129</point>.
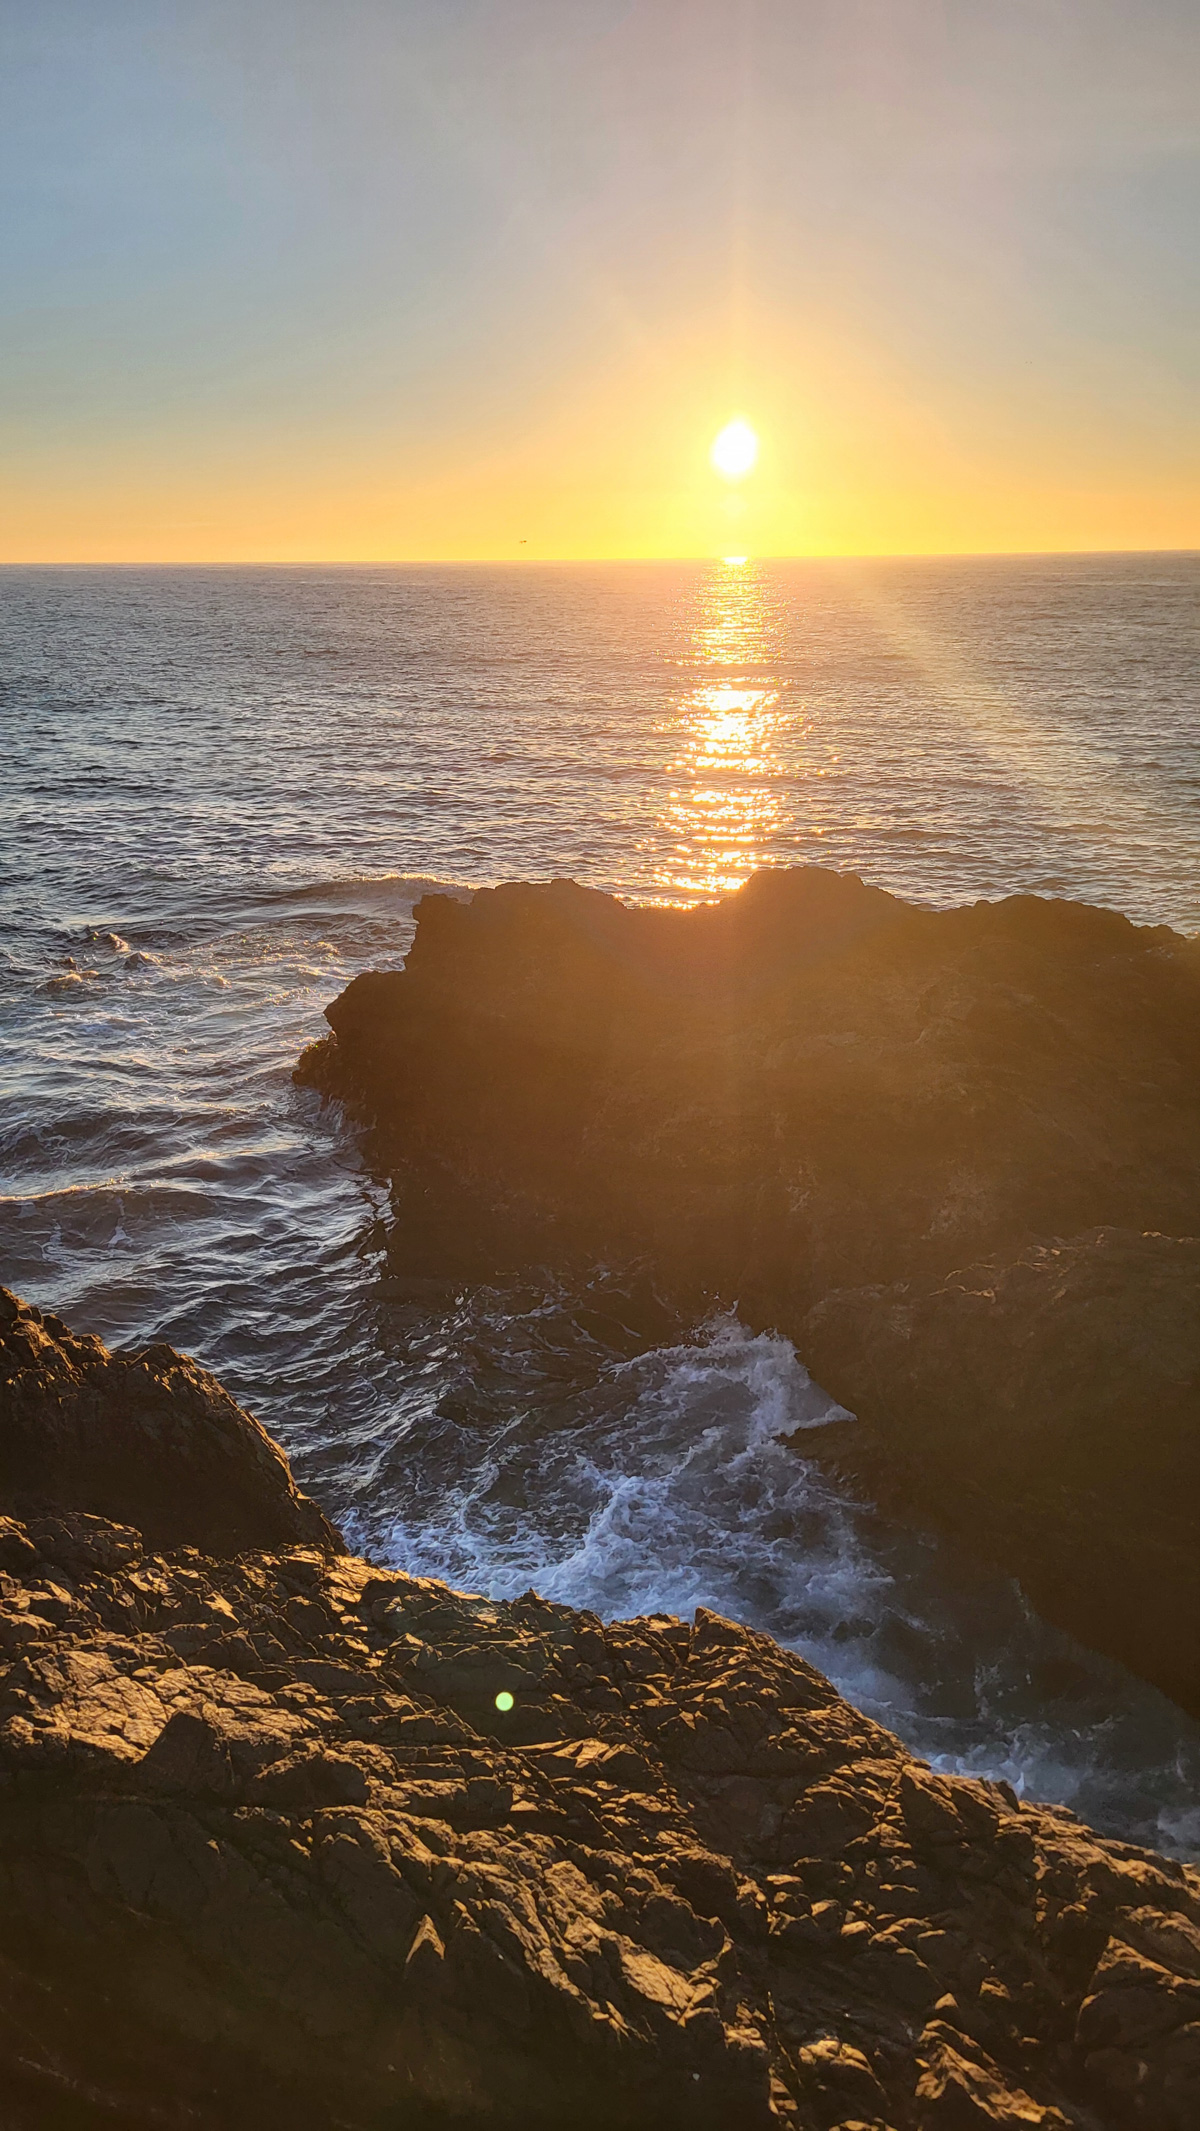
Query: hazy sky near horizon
<point>340,279</point>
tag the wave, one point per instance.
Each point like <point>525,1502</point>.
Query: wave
<point>662,1484</point>
<point>367,887</point>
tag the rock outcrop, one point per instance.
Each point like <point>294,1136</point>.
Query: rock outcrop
<point>287,1839</point>
<point>812,1097</point>
<point>148,1438</point>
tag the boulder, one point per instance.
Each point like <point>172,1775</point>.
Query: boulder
<point>149,1440</point>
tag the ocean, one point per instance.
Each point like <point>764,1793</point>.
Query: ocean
<point>224,790</point>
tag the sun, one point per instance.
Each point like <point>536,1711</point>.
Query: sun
<point>735,450</point>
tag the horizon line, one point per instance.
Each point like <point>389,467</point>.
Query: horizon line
<point>476,562</point>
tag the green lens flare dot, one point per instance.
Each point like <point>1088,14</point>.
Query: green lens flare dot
<point>504,1700</point>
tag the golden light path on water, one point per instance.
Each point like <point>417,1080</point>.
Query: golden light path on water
<point>743,748</point>
<point>747,781</point>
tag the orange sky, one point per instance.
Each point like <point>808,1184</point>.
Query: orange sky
<point>484,282</point>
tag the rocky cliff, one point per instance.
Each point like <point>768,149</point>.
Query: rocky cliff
<point>823,1104</point>
<point>286,1839</point>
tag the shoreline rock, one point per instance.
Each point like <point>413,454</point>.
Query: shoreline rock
<point>149,1439</point>
<point>1050,1405</point>
<point>811,1092</point>
<point>272,1853</point>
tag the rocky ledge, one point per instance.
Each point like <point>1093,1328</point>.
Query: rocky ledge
<point>287,1839</point>
<point>955,1155</point>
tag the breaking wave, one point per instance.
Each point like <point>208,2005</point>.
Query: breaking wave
<point>658,1483</point>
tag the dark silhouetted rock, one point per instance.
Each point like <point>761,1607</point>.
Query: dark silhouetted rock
<point>1053,1404</point>
<point>819,1102</point>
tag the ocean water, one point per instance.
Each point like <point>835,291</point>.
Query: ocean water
<point>223,792</point>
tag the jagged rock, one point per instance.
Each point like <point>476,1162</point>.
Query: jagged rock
<point>305,1887</point>
<point>271,1855</point>
<point>821,1103</point>
<point>149,1439</point>
<point>809,1084</point>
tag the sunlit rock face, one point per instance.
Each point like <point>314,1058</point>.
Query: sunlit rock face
<point>812,1089</point>
<point>287,1840</point>
<point>150,1438</point>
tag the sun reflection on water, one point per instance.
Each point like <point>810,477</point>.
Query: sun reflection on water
<point>742,745</point>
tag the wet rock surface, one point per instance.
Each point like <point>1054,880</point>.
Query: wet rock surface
<point>822,1104</point>
<point>271,1853</point>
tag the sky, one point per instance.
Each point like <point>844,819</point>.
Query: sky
<point>338,280</point>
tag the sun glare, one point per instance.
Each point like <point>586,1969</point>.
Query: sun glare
<point>735,450</point>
